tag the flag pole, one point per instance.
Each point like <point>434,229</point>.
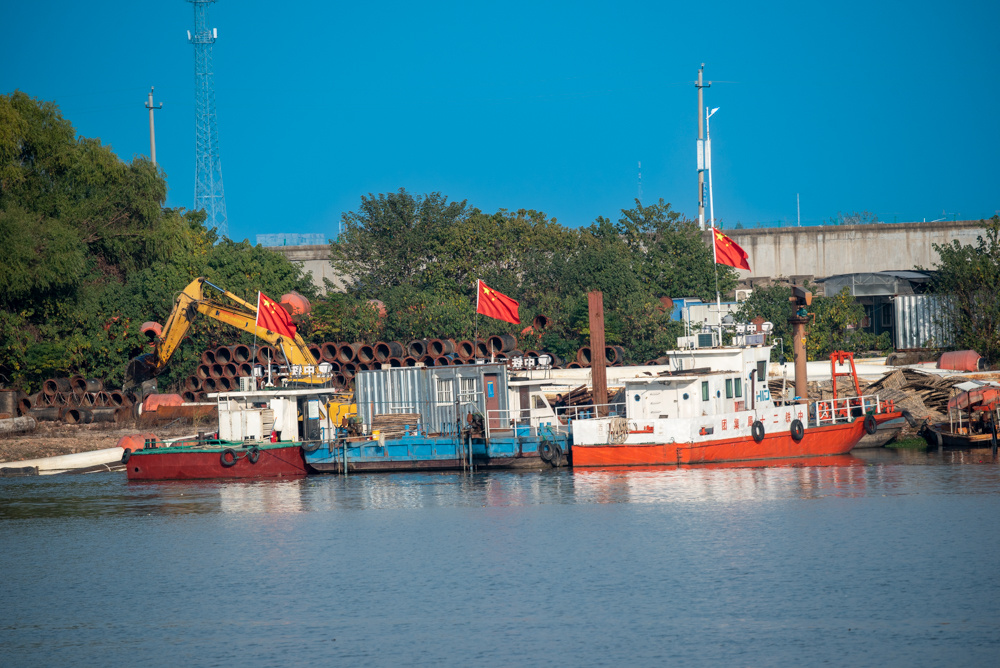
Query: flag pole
<point>475,340</point>
<point>718,298</point>
<point>254,349</point>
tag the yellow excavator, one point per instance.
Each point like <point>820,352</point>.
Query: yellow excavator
<point>242,315</point>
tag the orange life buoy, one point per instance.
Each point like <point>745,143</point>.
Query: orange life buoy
<point>824,412</point>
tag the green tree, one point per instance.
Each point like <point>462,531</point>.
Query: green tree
<point>967,276</point>
<point>837,326</point>
<point>772,304</point>
<point>392,239</point>
<point>89,254</point>
<point>669,253</point>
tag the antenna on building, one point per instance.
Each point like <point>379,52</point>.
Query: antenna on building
<point>640,182</point>
<point>700,84</point>
<point>208,191</point>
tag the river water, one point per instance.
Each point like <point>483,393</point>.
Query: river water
<point>881,560</point>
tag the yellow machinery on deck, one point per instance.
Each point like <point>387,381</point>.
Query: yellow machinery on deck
<point>241,315</point>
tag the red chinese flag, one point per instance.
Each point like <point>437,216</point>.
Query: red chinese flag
<point>729,252</point>
<point>272,316</point>
<point>496,305</point>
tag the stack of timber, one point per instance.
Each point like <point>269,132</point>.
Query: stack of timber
<point>395,425</point>
<point>924,396</point>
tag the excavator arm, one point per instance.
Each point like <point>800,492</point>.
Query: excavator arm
<point>241,315</point>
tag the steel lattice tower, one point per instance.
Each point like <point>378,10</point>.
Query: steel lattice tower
<point>208,191</point>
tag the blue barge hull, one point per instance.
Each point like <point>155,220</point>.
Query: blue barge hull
<point>411,453</point>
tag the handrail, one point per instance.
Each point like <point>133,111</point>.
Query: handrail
<point>844,409</point>
<point>590,412</point>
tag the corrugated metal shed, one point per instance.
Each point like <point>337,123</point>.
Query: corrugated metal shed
<point>442,395</point>
<point>919,322</point>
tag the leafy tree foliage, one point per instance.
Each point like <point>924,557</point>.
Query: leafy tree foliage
<point>429,287</point>
<point>771,303</point>
<point>967,275</point>
<point>837,326</point>
<point>89,254</point>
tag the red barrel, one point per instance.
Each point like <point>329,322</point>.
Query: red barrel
<point>135,441</point>
<point>154,401</point>
<point>961,360</point>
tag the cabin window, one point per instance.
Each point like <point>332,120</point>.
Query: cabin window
<point>468,389</point>
<point>762,371</point>
<point>704,390</point>
<point>444,390</point>
<point>738,382</point>
<point>729,388</point>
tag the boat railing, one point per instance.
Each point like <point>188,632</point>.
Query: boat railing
<point>519,422</point>
<point>567,414</point>
<point>845,409</point>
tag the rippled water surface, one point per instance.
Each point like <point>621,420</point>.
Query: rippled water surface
<point>885,559</point>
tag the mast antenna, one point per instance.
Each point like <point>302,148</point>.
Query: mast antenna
<point>208,191</point>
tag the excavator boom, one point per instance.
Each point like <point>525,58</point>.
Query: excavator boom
<point>241,315</point>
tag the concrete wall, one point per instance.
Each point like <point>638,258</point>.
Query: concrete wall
<point>819,252</point>
<point>315,259</point>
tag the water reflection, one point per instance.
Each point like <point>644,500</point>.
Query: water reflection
<point>866,473</point>
<point>812,477</point>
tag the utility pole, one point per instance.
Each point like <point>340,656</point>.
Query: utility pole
<point>798,212</point>
<point>701,146</point>
<point>152,132</point>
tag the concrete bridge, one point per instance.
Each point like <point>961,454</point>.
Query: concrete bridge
<point>798,253</point>
<point>784,253</point>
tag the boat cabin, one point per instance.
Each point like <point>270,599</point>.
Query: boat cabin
<point>445,400</point>
<point>702,382</point>
<point>290,414</point>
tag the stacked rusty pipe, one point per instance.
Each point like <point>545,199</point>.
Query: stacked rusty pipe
<point>76,400</point>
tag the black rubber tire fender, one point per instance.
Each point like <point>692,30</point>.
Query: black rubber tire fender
<point>757,431</point>
<point>871,426</point>
<point>253,454</point>
<point>545,451</point>
<point>228,457</point>
<point>310,447</point>
<point>126,455</point>
<point>557,454</point>
<point>798,430</point>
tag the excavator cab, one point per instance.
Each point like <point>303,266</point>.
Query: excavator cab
<point>140,370</point>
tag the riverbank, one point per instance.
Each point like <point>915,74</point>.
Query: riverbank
<point>55,438</point>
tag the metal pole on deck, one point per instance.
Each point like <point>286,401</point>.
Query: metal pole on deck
<point>598,369</point>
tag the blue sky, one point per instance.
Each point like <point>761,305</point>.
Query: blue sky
<point>877,106</point>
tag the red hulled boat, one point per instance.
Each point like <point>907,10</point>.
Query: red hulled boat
<point>195,460</point>
<point>712,408</point>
